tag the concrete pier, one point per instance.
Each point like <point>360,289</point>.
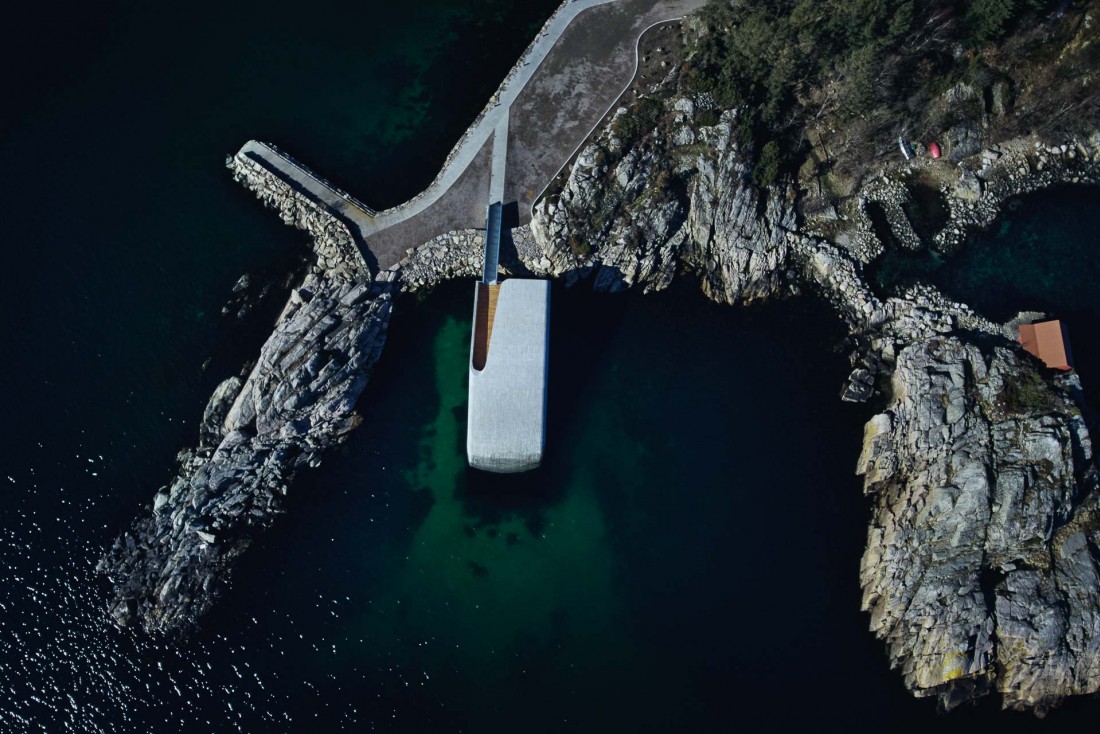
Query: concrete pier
<point>337,200</point>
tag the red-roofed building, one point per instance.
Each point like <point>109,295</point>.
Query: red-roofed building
<point>934,149</point>
<point>1048,341</point>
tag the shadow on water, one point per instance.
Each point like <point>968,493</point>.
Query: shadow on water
<point>898,268</point>
<point>355,484</point>
<point>246,318</point>
<point>692,540</point>
<point>880,225</point>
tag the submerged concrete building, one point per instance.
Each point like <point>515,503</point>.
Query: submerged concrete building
<point>509,362</point>
<point>506,431</point>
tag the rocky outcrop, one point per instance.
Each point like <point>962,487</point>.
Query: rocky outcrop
<point>739,232</point>
<point>981,567</point>
<point>980,571</point>
<point>298,400</point>
<point>973,192</point>
<point>984,182</point>
<point>452,255</point>
<point>608,225</point>
<point>621,220</point>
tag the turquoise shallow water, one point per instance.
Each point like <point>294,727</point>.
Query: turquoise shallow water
<point>648,577</point>
<point>687,559</point>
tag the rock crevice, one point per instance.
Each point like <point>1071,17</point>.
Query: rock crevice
<point>978,571</point>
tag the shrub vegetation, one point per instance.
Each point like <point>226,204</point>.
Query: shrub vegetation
<point>868,64</point>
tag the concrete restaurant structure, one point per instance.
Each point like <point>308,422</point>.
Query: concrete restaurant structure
<point>509,363</point>
<point>509,353</point>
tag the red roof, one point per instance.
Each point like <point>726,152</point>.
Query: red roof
<point>934,149</point>
<point>1047,341</point>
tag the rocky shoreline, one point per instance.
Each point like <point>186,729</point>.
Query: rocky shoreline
<point>297,401</point>
<point>980,572</point>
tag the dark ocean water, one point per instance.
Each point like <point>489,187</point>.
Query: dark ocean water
<point>686,560</point>
<point>1040,255</point>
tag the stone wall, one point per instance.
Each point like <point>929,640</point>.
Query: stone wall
<point>973,190</point>
<point>336,247</point>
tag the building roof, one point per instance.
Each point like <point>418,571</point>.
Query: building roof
<point>1047,340</point>
<point>934,149</point>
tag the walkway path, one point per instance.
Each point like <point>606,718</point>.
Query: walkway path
<point>470,143</point>
<point>500,161</point>
<point>308,182</point>
<point>548,105</point>
<point>589,69</point>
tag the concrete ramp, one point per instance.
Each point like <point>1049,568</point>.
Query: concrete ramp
<point>506,431</point>
<point>492,243</point>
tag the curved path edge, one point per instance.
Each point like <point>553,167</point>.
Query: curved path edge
<point>603,118</point>
<point>467,147</point>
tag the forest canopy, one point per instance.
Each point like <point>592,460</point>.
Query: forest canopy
<point>791,63</point>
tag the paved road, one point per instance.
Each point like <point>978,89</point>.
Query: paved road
<point>500,161</point>
<point>585,74</point>
<point>475,137</point>
<point>549,104</point>
<point>559,91</point>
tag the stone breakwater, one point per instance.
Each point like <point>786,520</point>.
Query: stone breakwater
<point>298,400</point>
<point>459,254</point>
<point>453,255</point>
<point>980,571</point>
<point>333,242</point>
<point>987,180</point>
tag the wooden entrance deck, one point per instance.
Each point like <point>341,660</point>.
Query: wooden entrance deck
<point>484,313</point>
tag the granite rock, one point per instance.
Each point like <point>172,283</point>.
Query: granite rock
<point>980,571</point>
<point>631,215</point>
<point>298,400</point>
